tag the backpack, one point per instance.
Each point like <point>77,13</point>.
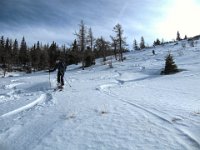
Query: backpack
<point>61,67</point>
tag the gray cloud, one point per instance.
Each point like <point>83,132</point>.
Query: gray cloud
<point>58,19</point>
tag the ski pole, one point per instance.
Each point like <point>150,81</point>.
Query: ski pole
<point>67,81</point>
<point>49,79</point>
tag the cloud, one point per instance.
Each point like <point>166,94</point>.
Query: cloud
<point>57,20</point>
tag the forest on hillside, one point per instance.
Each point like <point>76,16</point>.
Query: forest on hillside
<point>15,55</point>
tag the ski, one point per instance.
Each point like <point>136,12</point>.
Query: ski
<point>59,88</point>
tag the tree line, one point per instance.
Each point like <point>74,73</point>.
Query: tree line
<point>85,48</point>
<point>15,55</point>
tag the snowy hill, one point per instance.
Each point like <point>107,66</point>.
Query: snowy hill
<point>127,107</point>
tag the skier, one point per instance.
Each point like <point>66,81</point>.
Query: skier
<point>60,65</point>
<point>153,51</point>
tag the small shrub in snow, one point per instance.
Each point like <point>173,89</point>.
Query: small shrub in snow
<point>103,112</point>
<point>170,66</point>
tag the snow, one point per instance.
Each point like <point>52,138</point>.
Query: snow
<point>26,107</point>
<point>127,107</point>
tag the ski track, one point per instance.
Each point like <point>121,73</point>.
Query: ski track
<point>37,128</point>
<point>106,89</point>
<point>41,99</point>
<point>43,126</point>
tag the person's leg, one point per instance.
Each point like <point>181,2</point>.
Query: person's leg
<point>58,77</point>
<point>62,79</point>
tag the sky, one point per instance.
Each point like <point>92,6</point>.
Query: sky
<point>58,20</point>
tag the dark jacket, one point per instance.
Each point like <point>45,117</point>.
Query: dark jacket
<point>60,66</point>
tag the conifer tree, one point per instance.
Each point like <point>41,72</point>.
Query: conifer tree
<point>53,55</point>
<point>2,50</point>
<point>8,53</point>
<point>44,59</point>
<point>178,38</point>
<point>142,43</point>
<point>75,46</point>
<point>185,38</point>
<point>135,45</point>
<point>15,52</point>
<point>74,56</point>
<point>157,42</point>
<point>170,66</point>
<point>23,54</point>
<point>35,55</point>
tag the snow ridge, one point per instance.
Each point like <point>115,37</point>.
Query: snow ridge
<point>41,99</point>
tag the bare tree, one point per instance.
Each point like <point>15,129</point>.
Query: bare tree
<point>102,46</point>
<point>90,39</point>
<point>82,40</point>
<point>114,45</point>
<point>120,39</point>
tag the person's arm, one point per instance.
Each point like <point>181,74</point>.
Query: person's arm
<point>52,70</point>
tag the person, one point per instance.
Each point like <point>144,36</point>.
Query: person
<point>153,51</point>
<point>60,65</point>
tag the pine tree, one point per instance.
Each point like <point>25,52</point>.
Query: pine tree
<point>74,55</point>
<point>185,38</point>
<point>89,57</point>
<point>44,59</point>
<point>2,41</point>
<point>75,46</point>
<point>170,66</point>
<point>8,53</point>
<point>135,45</point>
<point>157,42</point>
<point>15,52</point>
<point>52,54</point>
<point>2,50</point>
<point>23,54</point>
<point>178,38</point>
<point>142,43</point>
<point>35,55</point>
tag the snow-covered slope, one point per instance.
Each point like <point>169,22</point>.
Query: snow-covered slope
<point>127,107</point>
